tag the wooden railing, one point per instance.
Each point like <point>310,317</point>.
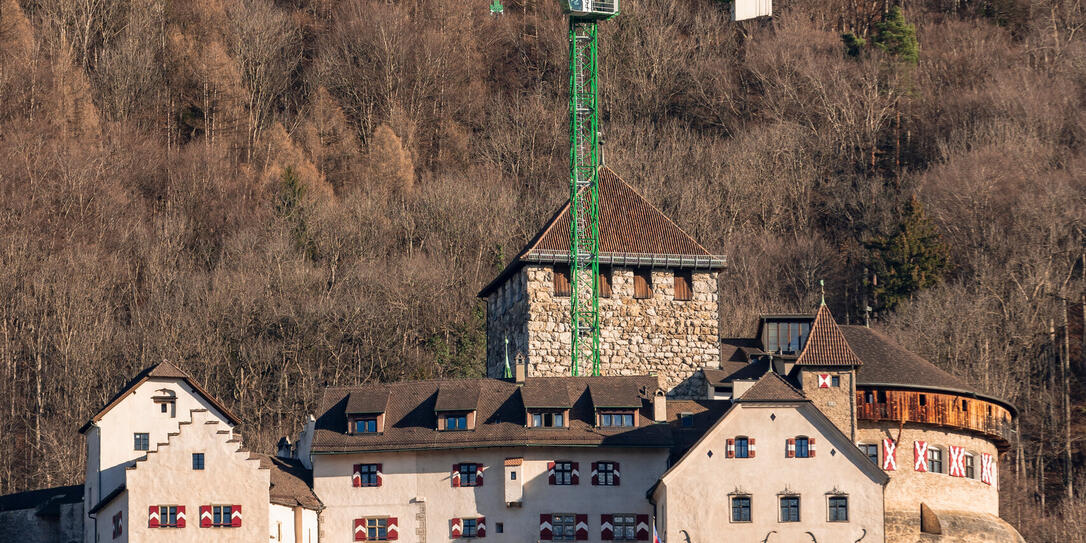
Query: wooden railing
<point>951,410</point>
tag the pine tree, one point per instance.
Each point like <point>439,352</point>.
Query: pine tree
<point>910,259</point>
<point>897,37</point>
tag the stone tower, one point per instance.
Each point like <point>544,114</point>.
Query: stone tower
<point>658,297</point>
<point>826,372</point>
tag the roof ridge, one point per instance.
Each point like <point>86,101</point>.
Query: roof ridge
<point>656,209</point>
<point>767,380</point>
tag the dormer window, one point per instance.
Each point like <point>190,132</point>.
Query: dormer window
<point>456,406</point>
<point>616,419</point>
<point>546,405</point>
<point>366,425</point>
<point>548,420</point>
<point>456,421</point>
<point>365,412</point>
<point>784,335</point>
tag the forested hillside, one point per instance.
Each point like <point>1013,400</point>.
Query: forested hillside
<point>282,195</point>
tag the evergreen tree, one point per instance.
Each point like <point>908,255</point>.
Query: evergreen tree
<point>897,37</point>
<point>910,259</point>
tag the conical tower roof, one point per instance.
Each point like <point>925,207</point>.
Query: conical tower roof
<point>826,345</point>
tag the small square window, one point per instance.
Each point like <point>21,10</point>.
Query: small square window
<point>563,527</point>
<point>605,473</point>
<point>500,527</point>
<point>197,460</point>
<point>468,473</point>
<point>563,473</point>
<point>367,474</point>
<point>625,526</point>
<point>835,381</point>
<point>789,508</point>
<point>142,441</point>
<point>740,508</point>
<point>365,426</point>
<point>838,508</point>
<point>164,407</point>
<point>377,529</point>
<point>470,527</point>
<point>871,452</point>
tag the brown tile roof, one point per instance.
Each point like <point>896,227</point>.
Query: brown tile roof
<point>739,349</point>
<point>457,397</point>
<point>514,461</point>
<point>291,482</point>
<point>368,399</point>
<point>619,395</point>
<point>704,414</point>
<point>543,394</point>
<point>826,345</point>
<point>631,231</point>
<point>772,388</point>
<point>162,370</point>
<point>410,422</point>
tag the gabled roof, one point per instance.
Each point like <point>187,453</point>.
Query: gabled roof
<point>162,370</point>
<point>619,395</point>
<point>367,400</point>
<point>772,388</point>
<point>538,394</point>
<point>826,345</point>
<point>633,232</point>
<point>291,483</point>
<point>460,397</point>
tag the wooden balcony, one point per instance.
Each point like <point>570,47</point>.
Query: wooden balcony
<point>948,410</point>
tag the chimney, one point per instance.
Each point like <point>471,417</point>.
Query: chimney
<point>520,373</point>
<point>659,406</point>
<point>283,448</point>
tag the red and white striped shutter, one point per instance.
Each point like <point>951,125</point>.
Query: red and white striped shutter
<point>889,454</point>
<point>920,455</point>
<point>790,448</point>
<point>986,468</point>
<point>392,529</point>
<point>356,477</point>
<point>581,527</point>
<point>730,449</point>
<point>545,528</point>
<point>751,448</point>
<point>607,527</point>
<point>643,527</point>
<point>455,475</point>
<point>235,516</point>
<point>617,473</point>
<point>479,474</point>
<point>954,453</point>
<point>359,529</point>
<point>823,380</point>
<point>576,478</point>
<point>550,474</point>
<point>480,527</point>
<point>811,447</point>
<point>380,475</point>
<point>152,517</point>
<point>205,516</point>
<point>180,516</point>
<point>595,474</point>
<point>456,528</point>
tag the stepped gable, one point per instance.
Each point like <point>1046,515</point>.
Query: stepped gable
<point>772,388</point>
<point>826,345</point>
<point>411,422</point>
<point>632,232</point>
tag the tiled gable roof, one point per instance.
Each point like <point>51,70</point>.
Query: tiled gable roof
<point>291,483</point>
<point>631,230</point>
<point>772,388</point>
<point>826,345</point>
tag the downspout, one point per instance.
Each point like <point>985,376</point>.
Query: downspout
<point>298,524</point>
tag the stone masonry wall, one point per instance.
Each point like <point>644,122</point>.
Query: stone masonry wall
<point>835,402</point>
<point>661,335</point>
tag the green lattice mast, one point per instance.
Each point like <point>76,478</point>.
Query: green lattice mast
<point>584,164</point>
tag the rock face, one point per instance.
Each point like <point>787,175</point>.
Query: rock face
<point>671,338</point>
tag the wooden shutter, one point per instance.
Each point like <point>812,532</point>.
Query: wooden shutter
<point>456,528</point>
<point>791,447</point>
<point>607,527</point>
<point>152,517</point>
<point>545,529</point>
<point>683,288</point>
<point>356,478</point>
<point>480,527</point>
<point>550,472</point>
<point>576,477</point>
<point>180,516</point>
<point>642,283</point>
<point>617,473</point>
<point>920,455</point>
<point>561,281</point>
<point>580,529</point>
<point>889,451</point>
<point>205,516</point>
<point>478,475</point>
<point>730,449</point>
<point>642,527</point>
<point>455,477</point>
<point>595,474</point>
<point>751,448</point>
<point>811,447</point>
<point>392,529</point>
<point>359,529</point>
<point>380,475</point>
<point>235,516</point>
<point>605,282</point>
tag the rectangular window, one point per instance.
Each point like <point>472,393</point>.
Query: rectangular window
<point>500,527</point>
<point>563,473</point>
<point>740,508</point>
<point>968,461</point>
<point>197,460</point>
<point>935,460</point>
<point>548,420</point>
<point>164,407</point>
<point>605,282</point>
<point>561,281</point>
<point>803,449</point>
<point>616,419</point>
<point>368,473</point>
<point>456,422</point>
<point>167,516</point>
<point>377,529</point>
<point>143,441</point>
<point>742,447</point>
<point>838,508</point>
<point>684,289</point>
<point>605,473</point>
<point>625,526</point>
<point>789,508</point>
<point>871,452</point>
<point>563,527</point>
<point>470,527</point>
<point>642,283</point>
<point>221,515</point>
<point>467,474</point>
<point>870,398</point>
<point>365,426</point>
<point>835,381</point>
<point>786,337</point>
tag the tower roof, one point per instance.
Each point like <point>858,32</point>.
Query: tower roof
<point>633,232</point>
<point>826,345</point>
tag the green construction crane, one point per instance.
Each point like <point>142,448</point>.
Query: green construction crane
<point>584,165</point>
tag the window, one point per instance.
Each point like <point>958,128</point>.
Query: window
<point>935,460</point>
<point>197,460</point>
<point>167,516</point>
<point>871,452</point>
<point>143,441</point>
<point>368,474</point>
<point>118,524</point>
<point>687,420</point>
<point>789,508</point>
<point>838,508</point>
<point>616,419</point>
<point>377,529</point>
<point>512,476</point>
<point>642,283</point>
<point>470,527</point>
<point>456,422</point>
<point>221,515</point>
<point>803,448</point>
<point>742,447</point>
<point>500,527</point>
<point>365,426</point>
<point>605,282</point>
<point>563,527</point>
<point>625,527</point>
<point>740,508</point>
<point>969,471</point>
<point>561,281</point>
<point>870,398</point>
<point>965,405</point>
<point>467,474</point>
<point>882,396</point>
<point>923,400</point>
<point>605,473</point>
<point>563,473</point>
<point>683,288</point>
<point>835,381</point>
<point>786,337</point>
<point>165,408</point>
<point>548,420</point>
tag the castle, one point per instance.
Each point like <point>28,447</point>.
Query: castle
<point>809,430</point>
